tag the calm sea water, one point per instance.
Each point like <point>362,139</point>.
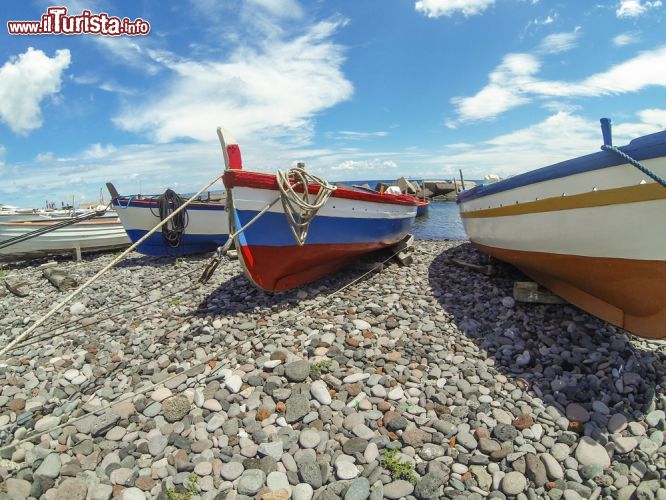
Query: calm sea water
<point>442,222</point>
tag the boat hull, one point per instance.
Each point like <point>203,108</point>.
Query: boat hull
<point>86,236</point>
<point>422,208</point>
<point>207,227</point>
<point>595,236</point>
<point>350,224</point>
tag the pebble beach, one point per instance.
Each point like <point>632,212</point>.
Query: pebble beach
<point>418,382</point>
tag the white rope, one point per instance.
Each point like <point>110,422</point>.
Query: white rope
<point>297,207</point>
<point>76,292</point>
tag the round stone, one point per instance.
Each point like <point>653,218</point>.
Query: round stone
<point>297,371</point>
<point>175,408</point>
<point>46,423</point>
<point>302,491</point>
<point>513,483</point>
<point>576,411</point>
<point>233,383</point>
<point>589,452</point>
<point>345,470</point>
<point>319,391</point>
<point>398,489</point>
<point>617,423</point>
<point>359,489</point>
<point>309,438</point>
<point>251,481</point>
<point>232,470</point>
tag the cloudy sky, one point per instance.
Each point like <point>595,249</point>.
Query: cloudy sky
<point>360,89</point>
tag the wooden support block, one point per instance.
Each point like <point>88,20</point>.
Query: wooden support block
<point>60,279</point>
<point>18,288</point>
<point>232,254</point>
<point>406,244</point>
<point>47,265</point>
<point>529,291</point>
<point>405,258</point>
<point>488,270</point>
<point>77,253</point>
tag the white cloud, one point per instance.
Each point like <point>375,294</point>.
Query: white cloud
<point>559,137</point>
<point>350,134</point>
<point>97,151</point>
<point>514,83</point>
<point>374,164</point>
<point>503,92</point>
<point>556,43</point>
<point>24,82</point>
<point>437,8</point>
<point>635,8</point>
<point>280,8</point>
<point>274,89</point>
<point>626,38</point>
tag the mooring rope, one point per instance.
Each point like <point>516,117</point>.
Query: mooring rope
<point>120,257</point>
<point>635,163</point>
<point>298,208</point>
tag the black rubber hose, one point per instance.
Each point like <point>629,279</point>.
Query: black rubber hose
<point>172,231</point>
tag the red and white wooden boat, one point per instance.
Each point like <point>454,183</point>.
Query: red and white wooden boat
<point>350,223</point>
<point>592,229</point>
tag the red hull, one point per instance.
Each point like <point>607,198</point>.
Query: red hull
<point>281,268</point>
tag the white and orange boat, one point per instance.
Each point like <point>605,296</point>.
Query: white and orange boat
<point>591,229</point>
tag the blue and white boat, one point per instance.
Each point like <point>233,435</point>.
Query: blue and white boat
<point>202,227</point>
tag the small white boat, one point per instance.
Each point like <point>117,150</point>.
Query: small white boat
<point>591,229</point>
<point>105,233</point>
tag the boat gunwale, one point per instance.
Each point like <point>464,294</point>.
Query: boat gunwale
<point>259,180</point>
<point>641,148</point>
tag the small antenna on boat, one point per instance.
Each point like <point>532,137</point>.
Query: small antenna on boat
<point>606,131</point>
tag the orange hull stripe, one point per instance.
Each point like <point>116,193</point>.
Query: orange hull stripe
<point>628,293</point>
<point>616,196</point>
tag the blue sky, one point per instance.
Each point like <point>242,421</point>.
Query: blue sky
<point>356,89</point>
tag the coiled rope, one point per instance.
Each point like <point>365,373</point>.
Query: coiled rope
<point>172,232</point>
<point>297,206</point>
<point>635,163</point>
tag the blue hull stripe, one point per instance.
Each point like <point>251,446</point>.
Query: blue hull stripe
<point>272,229</point>
<point>192,243</point>
<point>642,148</point>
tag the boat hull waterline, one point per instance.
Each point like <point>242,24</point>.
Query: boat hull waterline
<point>350,224</point>
<point>590,229</point>
<point>207,226</point>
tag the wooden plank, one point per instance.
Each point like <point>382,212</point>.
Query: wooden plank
<point>406,244</point>
<point>488,270</point>
<point>18,288</point>
<point>60,279</point>
<point>529,291</point>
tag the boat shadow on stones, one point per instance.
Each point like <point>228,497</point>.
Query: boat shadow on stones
<point>561,353</point>
<point>238,296</point>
